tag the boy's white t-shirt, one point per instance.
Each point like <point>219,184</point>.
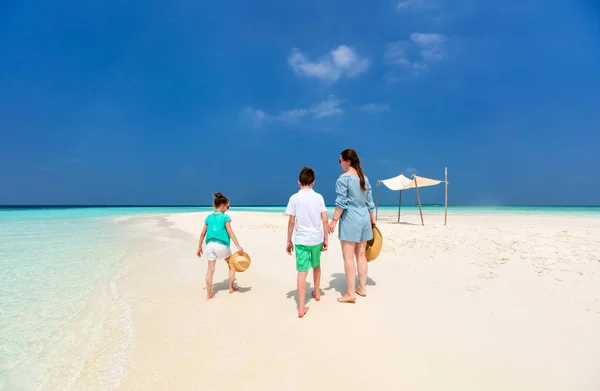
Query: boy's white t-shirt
<point>307,205</point>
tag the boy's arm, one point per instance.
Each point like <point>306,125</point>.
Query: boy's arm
<point>232,236</point>
<point>202,236</point>
<point>325,220</point>
<point>291,223</point>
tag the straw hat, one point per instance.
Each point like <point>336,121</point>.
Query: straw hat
<point>374,245</point>
<point>239,261</point>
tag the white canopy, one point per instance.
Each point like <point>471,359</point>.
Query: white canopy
<point>401,182</point>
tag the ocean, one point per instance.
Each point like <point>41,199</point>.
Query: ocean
<point>58,268</point>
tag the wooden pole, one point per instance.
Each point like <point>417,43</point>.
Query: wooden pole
<point>418,199</point>
<point>377,200</point>
<point>446,197</point>
<point>399,204</point>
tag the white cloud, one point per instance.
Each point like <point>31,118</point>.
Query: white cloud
<point>255,117</point>
<point>342,61</point>
<point>327,108</point>
<point>416,5</point>
<point>418,52</point>
<point>374,107</point>
<point>431,45</point>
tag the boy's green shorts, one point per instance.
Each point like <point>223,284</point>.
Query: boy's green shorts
<point>307,256</point>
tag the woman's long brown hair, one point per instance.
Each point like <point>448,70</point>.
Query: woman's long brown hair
<point>351,156</point>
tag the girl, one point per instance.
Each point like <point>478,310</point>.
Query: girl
<point>217,230</point>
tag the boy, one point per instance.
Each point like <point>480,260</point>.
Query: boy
<point>308,217</point>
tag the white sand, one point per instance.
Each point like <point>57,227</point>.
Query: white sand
<point>486,303</point>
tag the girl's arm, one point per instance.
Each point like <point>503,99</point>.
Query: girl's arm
<point>202,236</point>
<point>232,236</point>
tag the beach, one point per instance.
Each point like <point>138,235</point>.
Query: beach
<point>485,303</point>
<point>488,302</point>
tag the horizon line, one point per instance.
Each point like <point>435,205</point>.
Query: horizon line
<point>23,206</point>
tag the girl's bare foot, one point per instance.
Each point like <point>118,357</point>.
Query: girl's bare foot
<point>301,312</point>
<point>361,293</point>
<point>347,299</point>
<point>234,289</point>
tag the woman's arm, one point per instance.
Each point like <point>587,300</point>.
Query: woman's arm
<point>232,236</point>
<point>370,203</point>
<point>337,213</point>
<point>325,221</point>
<point>341,202</point>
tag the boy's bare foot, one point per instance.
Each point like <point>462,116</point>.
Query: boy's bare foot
<point>208,297</point>
<point>361,293</point>
<point>234,289</point>
<point>302,313</point>
<point>316,296</point>
<point>347,299</point>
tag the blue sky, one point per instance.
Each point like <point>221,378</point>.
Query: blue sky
<point>111,102</point>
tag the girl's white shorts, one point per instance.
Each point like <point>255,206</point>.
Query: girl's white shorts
<point>216,251</point>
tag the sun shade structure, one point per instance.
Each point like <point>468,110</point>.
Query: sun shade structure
<point>401,182</point>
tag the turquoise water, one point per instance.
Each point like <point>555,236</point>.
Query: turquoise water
<point>505,210</point>
<point>57,273</point>
<point>20,214</point>
<point>55,296</point>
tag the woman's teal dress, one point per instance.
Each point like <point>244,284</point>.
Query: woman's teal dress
<point>355,222</point>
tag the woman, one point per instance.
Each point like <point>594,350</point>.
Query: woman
<point>354,209</point>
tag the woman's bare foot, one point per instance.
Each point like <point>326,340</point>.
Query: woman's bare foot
<point>347,299</point>
<point>361,293</point>
<point>233,289</point>
<point>316,296</point>
<point>301,312</point>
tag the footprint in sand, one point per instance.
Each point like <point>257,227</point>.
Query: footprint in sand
<point>474,288</point>
<point>487,276</point>
<point>594,305</point>
<point>543,270</point>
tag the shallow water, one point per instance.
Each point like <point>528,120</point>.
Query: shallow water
<point>55,296</point>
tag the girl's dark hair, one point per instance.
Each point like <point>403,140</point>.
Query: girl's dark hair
<point>219,200</point>
<point>351,156</point>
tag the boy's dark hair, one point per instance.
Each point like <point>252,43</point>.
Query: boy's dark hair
<point>219,200</point>
<point>307,176</point>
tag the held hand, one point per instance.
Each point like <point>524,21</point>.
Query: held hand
<point>289,248</point>
<point>199,252</point>
<point>332,227</point>
<point>240,249</point>
<point>373,223</point>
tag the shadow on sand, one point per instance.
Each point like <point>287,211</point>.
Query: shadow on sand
<point>338,283</point>
<point>403,223</point>
<point>307,296</point>
<point>224,286</point>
